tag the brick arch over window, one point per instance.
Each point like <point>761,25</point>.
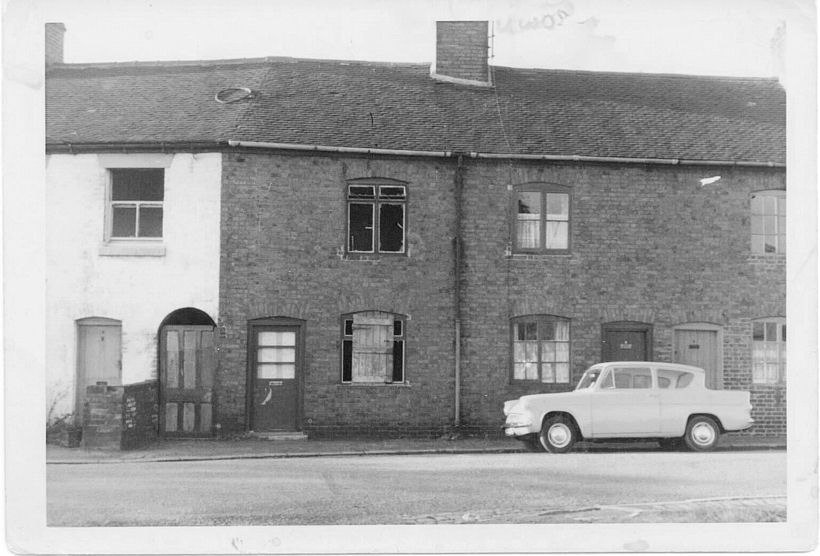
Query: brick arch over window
<point>540,218</point>
<point>540,349</point>
<point>376,216</point>
<point>373,346</point>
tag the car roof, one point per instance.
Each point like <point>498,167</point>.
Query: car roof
<point>664,364</point>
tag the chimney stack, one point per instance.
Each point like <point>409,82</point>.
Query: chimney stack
<point>54,43</point>
<point>462,53</point>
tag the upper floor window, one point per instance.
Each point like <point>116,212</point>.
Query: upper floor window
<point>769,222</point>
<point>541,218</point>
<point>769,350</point>
<point>540,349</point>
<point>136,203</point>
<point>373,347</point>
<point>376,217</point>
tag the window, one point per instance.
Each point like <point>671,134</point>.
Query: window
<point>136,199</point>
<point>769,222</point>
<point>375,218</point>
<point>541,218</point>
<point>769,350</point>
<point>628,378</point>
<point>672,379</point>
<point>540,349</point>
<point>373,347</point>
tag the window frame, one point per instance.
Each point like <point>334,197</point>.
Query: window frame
<point>781,340</point>
<point>543,189</point>
<point>110,205</point>
<point>779,234</point>
<point>540,320</point>
<point>377,201</point>
<point>400,339</point>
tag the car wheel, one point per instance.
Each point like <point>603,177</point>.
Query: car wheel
<point>670,443</point>
<point>532,445</point>
<point>702,434</point>
<point>558,435</point>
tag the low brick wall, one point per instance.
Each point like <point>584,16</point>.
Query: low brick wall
<point>140,414</point>
<point>102,417</point>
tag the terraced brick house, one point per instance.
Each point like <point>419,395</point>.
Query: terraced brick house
<point>339,247</point>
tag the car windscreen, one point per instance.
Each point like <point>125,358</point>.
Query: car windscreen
<point>589,379</point>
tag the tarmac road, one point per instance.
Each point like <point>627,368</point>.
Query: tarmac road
<point>398,489</point>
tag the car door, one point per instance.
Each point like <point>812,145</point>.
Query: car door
<point>625,403</point>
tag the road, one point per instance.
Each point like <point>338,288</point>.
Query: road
<point>497,488</point>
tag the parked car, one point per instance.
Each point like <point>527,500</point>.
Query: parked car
<point>630,399</point>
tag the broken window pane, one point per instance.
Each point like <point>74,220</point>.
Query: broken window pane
<point>391,192</point>
<point>347,360</point>
<point>398,361</point>
<point>361,192</point>
<point>391,228</point>
<point>361,227</point>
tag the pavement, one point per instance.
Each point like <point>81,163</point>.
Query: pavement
<point>258,448</point>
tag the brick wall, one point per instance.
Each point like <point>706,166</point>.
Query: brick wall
<point>140,414</point>
<point>102,417</point>
<point>649,244</point>
<point>461,50</point>
<point>283,230</point>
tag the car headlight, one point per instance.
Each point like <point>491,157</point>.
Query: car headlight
<point>518,420</point>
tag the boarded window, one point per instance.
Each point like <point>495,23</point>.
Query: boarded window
<point>376,218</point>
<point>136,204</point>
<point>373,347</point>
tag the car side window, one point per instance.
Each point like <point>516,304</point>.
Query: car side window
<point>664,382</point>
<point>607,381</point>
<point>631,378</point>
<point>668,378</point>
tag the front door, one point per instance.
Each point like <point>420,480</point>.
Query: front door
<point>99,356</point>
<point>626,342</point>
<point>187,365</point>
<point>700,349</point>
<point>275,356</point>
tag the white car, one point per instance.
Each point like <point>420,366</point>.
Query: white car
<point>630,399</point>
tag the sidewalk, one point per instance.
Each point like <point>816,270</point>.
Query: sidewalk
<point>251,448</point>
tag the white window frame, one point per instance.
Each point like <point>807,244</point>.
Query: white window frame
<point>779,196</point>
<point>759,375</point>
<point>540,321</point>
<point>376,203</point>
<point>544,190</point>
<point>111,204</point>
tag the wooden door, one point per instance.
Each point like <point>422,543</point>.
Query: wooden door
<point>99,358</point>
<point>700,349</point>
<point>275,371</point>
<point>187,366</point>
<point>625,343</point>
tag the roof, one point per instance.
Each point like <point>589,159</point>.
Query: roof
<point>399,106</point>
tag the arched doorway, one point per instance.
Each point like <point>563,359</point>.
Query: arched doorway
<point>187,364</point>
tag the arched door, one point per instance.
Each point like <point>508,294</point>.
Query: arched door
<point>187,367</point>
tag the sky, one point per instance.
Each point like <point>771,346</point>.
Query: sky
<point>709,37</point>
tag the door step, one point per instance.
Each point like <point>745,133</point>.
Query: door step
<point>290,435</point>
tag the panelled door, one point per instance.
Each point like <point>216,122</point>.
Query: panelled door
<point>700,348</point>
<point>99,355</point>
<point>187,366</point>
<point>275,369</point>
<point>625,342</point>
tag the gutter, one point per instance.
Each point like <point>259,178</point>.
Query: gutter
<point>76,148</point>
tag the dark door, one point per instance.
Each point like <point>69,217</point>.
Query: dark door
<point>626,342</point>
<point>187,365</point>
<point>699,348</point>
<point>275,369</point>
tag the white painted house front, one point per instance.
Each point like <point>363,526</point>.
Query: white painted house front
<point>121,256</point>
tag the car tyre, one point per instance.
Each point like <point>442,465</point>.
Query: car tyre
<point>702,434</point>
<point>558,434</point>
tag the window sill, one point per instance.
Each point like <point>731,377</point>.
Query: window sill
<point>371,257</point>
<point>537,256</point>
<point>127,249</point>
<point>373,384</point>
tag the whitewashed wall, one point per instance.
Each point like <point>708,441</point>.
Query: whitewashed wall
<point>140,291</point>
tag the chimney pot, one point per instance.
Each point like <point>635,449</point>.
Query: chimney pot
<point>54,43</point>
<point>462,52</point>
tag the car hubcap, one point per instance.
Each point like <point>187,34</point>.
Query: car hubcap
<point>559,435</point>
<point>703,434</point>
